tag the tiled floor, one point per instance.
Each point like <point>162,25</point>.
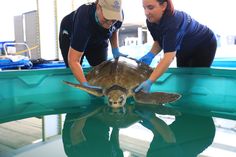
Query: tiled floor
<point>16,134</point>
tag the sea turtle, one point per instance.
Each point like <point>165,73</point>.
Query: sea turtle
<point>118,79</point>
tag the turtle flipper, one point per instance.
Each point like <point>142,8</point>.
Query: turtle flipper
<point>163,129</point>
<point>157,98</point>
<point>160,109</point>
<point>84,114</point>
<point>158,125</point>
<point>76,131</point>
<point>93,91</point>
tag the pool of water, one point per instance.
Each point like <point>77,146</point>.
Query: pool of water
<point>97,130</point>
<point>72,122</point>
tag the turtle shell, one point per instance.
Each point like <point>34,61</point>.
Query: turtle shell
<point>123,72</point>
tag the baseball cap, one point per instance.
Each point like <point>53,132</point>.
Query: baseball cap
<point>111,9</point>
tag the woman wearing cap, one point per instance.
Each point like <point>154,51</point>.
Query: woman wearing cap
<point>86,31</point>
<point>178,35</point>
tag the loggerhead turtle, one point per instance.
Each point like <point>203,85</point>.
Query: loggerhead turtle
<point>118,79</point>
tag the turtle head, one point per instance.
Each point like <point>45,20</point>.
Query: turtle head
<point>116,96</point>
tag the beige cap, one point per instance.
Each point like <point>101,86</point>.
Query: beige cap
<point>111,9</point>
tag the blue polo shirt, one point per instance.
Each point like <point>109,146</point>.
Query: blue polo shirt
<point>179,32</point>
<point>87,34</point>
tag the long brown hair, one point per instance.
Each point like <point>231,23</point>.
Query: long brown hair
<point>170,7</point>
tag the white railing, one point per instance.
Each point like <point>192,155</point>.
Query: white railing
<point>5,45</point>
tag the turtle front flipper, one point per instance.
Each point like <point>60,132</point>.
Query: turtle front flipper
<point>158,125</point>
<point>163,129</point>
<point>84,114</point>
<point>157,98</point>
<point>93,91</point>
<point>160,109</point>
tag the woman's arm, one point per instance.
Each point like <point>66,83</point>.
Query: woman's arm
<point>115,45</point>
<point>155,48</point>
<point>74,58</point>
<point>114,39</point>
<point>162,66</point>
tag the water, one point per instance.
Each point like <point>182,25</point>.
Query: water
<point>96,130</point>
<point>191,135</point>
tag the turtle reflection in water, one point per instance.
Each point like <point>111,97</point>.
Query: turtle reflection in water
<point>95,132</point>
<point>118,79</point>
<point>127,116</point>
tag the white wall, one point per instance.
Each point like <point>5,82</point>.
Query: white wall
<point>217,14</point>
<point>47,26</point>
<point>133,12</point>
<point>9,9</point>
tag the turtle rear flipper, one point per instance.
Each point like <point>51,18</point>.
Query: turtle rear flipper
<point>93,91</point>
<point>158,98</point>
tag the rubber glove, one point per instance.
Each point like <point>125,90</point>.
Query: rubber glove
<point>145,86</point>
<point>116,53</point>
<point>86,84</point>
<point>147,59</point>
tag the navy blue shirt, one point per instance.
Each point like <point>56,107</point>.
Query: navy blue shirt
<point>66,23</point>
<point>179,32</point>
<point>87,33</point>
